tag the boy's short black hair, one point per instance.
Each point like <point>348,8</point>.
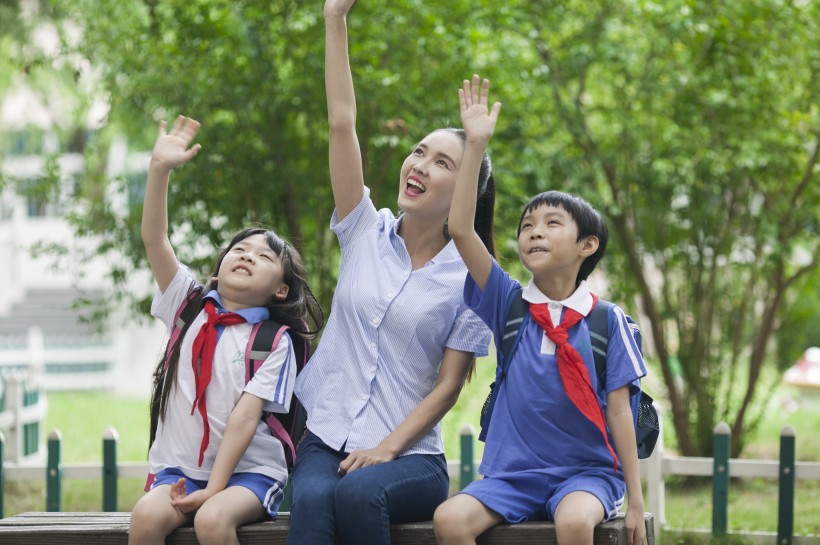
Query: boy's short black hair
<point>589,221</point>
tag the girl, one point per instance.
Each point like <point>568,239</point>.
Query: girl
<point>399,342</point>
<point>215,461</point>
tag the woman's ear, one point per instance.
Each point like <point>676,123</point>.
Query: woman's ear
<point>589,246</point>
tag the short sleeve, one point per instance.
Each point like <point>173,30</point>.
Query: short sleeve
<point>624,362</point>
<point>360,220</point>
<point>165,305</point>
<point>274,380</point>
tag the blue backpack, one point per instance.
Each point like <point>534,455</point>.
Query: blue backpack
<point>647,425</point>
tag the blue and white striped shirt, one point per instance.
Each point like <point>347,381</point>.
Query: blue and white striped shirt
<point>388,329</point>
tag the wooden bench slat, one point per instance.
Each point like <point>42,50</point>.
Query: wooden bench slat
<point>112,529</point>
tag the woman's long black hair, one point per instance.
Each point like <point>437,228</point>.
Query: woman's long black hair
<point>300,311</point>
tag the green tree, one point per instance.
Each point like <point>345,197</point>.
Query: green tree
<point>695,126</point>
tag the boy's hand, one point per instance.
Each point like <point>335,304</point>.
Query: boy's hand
<point>172,149</point>
<point>338,8</point>
<point>477,120</point>
<point>635,527</point>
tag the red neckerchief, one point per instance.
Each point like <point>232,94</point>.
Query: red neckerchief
<point>571,368</point>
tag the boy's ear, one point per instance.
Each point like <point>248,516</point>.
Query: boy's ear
<point>282,293</point>
<point>589,246</point>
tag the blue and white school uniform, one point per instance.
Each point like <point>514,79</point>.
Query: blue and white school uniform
<point>179,434</point>
<point>389,326</point>
<point>539,446</point>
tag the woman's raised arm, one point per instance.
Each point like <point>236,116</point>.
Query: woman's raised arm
<point>346,172</point>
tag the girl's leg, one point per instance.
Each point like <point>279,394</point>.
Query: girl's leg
<point>461,519</point>
<point>153,518</point>
<point>312,515</point>
<point>406,489</point>
<point>575,518</point>
<point>216,521</point>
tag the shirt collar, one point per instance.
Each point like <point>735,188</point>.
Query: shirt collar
<point>252,315</point>
<point>580,301</point>
<point>448,253</point>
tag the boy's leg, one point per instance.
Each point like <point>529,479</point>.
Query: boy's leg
<point>216,521</point>
<point>314,479</point>
<point>461,519</point>
<point>406,489</point>
<point>153,518</point>
<point>576,516</point>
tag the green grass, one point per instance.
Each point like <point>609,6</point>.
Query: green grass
<point>82,418</point>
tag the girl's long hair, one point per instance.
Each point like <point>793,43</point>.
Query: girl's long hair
<point>300,311</point>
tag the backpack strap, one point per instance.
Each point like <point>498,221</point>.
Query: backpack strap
<point>598,322</point>
<point>516,317</point>
<point>517,314</point>
<point>262,342</point>
<point>185,313</point>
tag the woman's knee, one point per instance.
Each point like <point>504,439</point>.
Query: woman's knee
<point>354,493</point>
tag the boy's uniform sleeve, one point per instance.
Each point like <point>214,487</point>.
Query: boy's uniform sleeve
<point>274,379</point>
<point>624,362</point>
<point>490,305</point>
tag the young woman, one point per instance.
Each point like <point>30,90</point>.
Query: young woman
<point>399,342</point>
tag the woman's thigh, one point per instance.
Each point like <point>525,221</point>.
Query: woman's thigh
<point>406,489</point>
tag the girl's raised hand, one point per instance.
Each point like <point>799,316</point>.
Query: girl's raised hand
<point>338,8</point>
<point>172,148</point>
<point>477,119</point>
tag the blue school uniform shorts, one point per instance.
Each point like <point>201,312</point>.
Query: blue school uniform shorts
<point>534,495</point>
<point>269,491</point>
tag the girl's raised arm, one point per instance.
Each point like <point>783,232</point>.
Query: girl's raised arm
<point>346,173</point>
<point>478,123</point>
<point>170,150</point>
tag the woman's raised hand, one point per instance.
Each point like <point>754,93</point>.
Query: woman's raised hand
<point>477,119</point>
<point>173,148</point>
<point>338,8</point>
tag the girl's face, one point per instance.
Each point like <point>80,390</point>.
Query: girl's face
<point>250,274</point>
<point>428,176</point>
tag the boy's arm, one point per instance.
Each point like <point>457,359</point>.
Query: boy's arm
<point>170,150</point>
<point>620,421</point>
<point>239,431</point>
<point>478,123</point>
<point>346,174</point>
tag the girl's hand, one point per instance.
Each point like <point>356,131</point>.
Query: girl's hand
<point>172,149</point>
<point>477,120</point>
<point>338,8</point>
<point>186,503</point>
<point>363,458</point>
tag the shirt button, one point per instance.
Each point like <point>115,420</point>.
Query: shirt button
<point>389,294</point>
<point>555,305</point>
<point>373,369</point>
<point>375,321</point>
<point>364,397</point>
<point>373,346</point>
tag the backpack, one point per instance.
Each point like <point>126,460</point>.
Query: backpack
<point>288,427</point>
<point>645,415</point>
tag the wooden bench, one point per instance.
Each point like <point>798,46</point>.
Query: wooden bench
<point>112,529</point>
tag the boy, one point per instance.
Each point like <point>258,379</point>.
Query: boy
<point>560,447</point>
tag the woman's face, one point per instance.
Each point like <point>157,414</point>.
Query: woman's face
<point>428,176</point>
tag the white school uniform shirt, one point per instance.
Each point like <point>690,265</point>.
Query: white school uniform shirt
<point>580,301</point>
<point>179,435</point>
<point>389,326</point>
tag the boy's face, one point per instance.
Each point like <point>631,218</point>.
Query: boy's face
<point>548,243</point>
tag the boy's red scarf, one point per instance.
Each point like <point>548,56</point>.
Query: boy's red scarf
<point>203,352</point>
<point>571,367</point>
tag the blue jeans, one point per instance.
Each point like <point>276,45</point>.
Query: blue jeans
<point>359,507</point>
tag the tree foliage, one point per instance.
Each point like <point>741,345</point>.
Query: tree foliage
<point>694,127</point>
